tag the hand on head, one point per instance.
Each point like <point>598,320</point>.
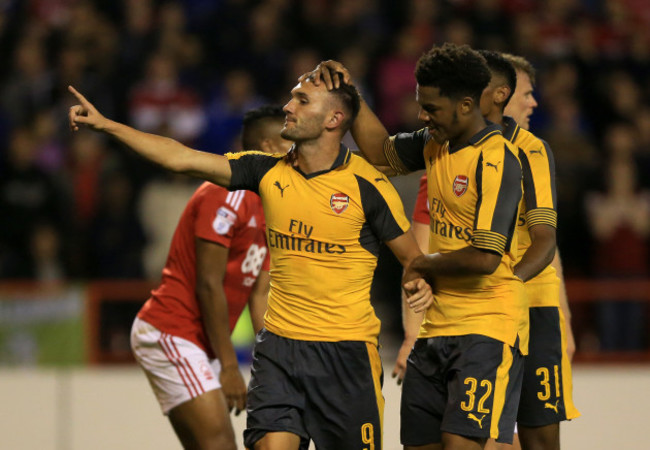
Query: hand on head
<point>326,71</point>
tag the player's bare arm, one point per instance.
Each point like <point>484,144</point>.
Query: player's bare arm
<point>564,305</point>
<point>465,261</point>
<point>211,262</point>
<point>540,253</point>
<point>419,295</point>
<point>258,300</point>
<point>166,152</point>
<point>367,130</point>
<point>411,320</point>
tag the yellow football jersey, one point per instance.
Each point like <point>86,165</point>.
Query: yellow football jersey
<point>473,192</point>
<point>538,206</point>
<point>323,230</point>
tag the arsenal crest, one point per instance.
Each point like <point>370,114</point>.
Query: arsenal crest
<point>460,185</point>
<point>339,202</point>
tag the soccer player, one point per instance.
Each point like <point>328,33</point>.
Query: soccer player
<point>520,108</point>
<point>546,396</point>
<point>464,373</point>
<point>217,264</point>
<point>316,370</point>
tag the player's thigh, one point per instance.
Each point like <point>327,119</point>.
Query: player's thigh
<point>546,394</point>
<point>279,440</point>
<point>456,442</point>
<point>491,444</point>
<point>540,438</point>
<point>424,396</point>
<point>484,385</point>
<point>204,421</point>
<point>345,405</point>
<point>177,369</point>
<point>275,401</point>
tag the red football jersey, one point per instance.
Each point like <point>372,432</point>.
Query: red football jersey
<point>232,219</point>
<point>421,208</point>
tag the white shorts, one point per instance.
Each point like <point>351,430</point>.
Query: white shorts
<point>177,369</point>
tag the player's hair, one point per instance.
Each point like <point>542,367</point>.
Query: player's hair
<point>255,122</point>
<point>501,67</point>
<point>522,64</point>
<point>457,70</point>
<point>349,97</point>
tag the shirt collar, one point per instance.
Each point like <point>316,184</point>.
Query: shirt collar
<point>342,158</point>
<point>510,128</point>
<point>479,137</point>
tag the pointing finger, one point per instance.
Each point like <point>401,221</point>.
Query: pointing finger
<point>80,97</point>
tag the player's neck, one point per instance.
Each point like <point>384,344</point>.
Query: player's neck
<point>475,124</point>
<point>495,116</point>
<point>317,155</point>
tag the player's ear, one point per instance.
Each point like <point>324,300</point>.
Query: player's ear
<point>265,146</point>
<point>501,94</point>
<point>466,105</point>
<point>335,120</point>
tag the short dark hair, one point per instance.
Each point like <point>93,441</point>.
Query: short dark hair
<point>457,70</point>
<point>255,121</point>
<point>349,97</point>
<point>501,67</point>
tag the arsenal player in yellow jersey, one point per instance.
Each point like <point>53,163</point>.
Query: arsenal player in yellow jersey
<point>464,372</point>
<point>316,371</point>
<point>546,397</point>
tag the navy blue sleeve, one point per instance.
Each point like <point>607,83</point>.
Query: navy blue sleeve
<point>248,168</point>
<point>409,148</point>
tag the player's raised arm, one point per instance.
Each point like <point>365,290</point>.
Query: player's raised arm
<point>367,130</point>
<point>166,152</point>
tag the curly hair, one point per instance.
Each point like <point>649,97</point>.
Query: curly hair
<point>457,70</point>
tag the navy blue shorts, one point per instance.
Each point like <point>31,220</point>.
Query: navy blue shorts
<point>546,393</point>
<point>328,392</point>
<point>464,385</point>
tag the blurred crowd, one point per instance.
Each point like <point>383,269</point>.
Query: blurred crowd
<point>74,207</point>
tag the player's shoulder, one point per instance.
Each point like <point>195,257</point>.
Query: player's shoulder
<point>210,191</point>
<point>219,196</point>
<point>254,154</point>
<point>495,145</point>
<point>363,169</point>
<point>530,144</point>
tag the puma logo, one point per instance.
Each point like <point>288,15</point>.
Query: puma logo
<point>476,419</point>
<point>277,185</point>
<point>496,166</point>
<point>553,407</point>
<point>539,152</point>
<point>380,179</point>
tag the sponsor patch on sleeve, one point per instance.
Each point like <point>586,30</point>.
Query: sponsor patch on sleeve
<point>224,220</point>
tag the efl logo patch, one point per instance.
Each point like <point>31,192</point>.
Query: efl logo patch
<point>339,202</point>
<point>224,220</point>
<point>460,185</point>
